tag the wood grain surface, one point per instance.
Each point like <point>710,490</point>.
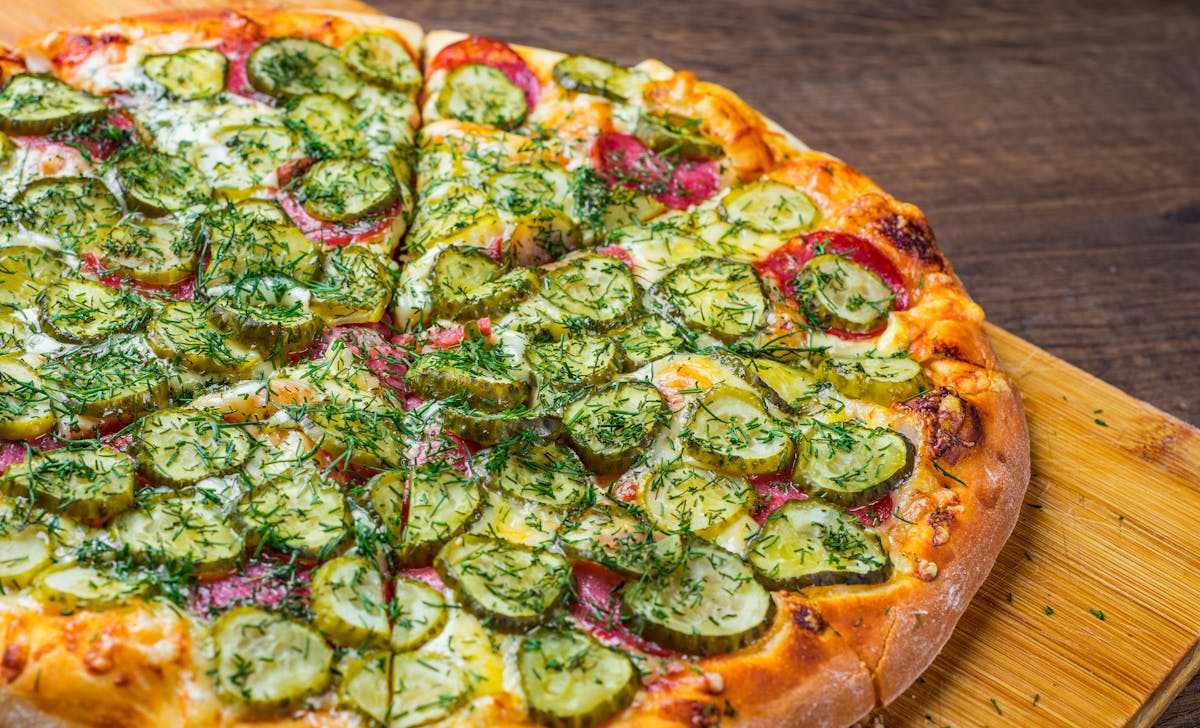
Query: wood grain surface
<point>1054,148</point>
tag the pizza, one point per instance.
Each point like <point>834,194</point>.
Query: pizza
<point>354,375</point>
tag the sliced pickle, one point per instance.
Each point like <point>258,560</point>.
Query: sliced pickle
<point>347,190</point>
<point>156,183</point>
<point>424,509</point>
<point>647,339</point>
<point>117,379</point>
<point>598,291</point>
<point>592,75</point>
<point>267,661</point>
<point>382,60</point>
<point>769,207</point>
<point>326,124</point>
<point>26,406</point>
<point>182,334</point>
<point>181,529</point>
<point>24,272</point>
<point>288,67</point>
<point>290,504</point>
<point>85,312</point>
<point>348,604</point>
<point>547,473</point>
<point>796,388</point>
<point>87,485</point>
<point>155,251</point>
<point>425,689</point>
<point>467,284</point>
<point>76,586</point>
<point>78,211</point>
<point>576,360</point>
<point>255,154</point>
<point>476,373</point>
<point>483,95</point>
<point>270,315</point>
<point>570,679</point>
<point>883,381</point>
<point>490,428</point>
<point>192,73</point>
<point>710,604</point>
<point>33,104</point>
<point>181,447</point>
<point>355,436</point>
<point>365,686</point>
<point>418,614</point>
<point>242,240</point>
<point>541,236</point>
<point>811,543</point>
<point>14,333</point>
<point>673,134</point>
<point>602,209</point>
<point>613,426</point>
<point>525,190</point>
<point>835,291</point>
<point>683,499</point>
<point>508,586</point>
<point>620,541</point>
<point>24,553</point>
<point>723,297</point>
<point>7,148</point>
<point>731,431</point>
<point>851,463</point>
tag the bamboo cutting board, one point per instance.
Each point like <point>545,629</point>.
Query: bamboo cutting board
<point>1091,615</point>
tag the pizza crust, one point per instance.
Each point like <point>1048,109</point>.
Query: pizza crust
<point>833,655</point>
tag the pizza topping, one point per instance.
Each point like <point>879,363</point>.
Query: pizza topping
<point>353,287</point>
<point>483,95</point>
<point>648,338</point>
<point>473,372</point>
<point>270,315</point>
<point>677,182</point>
<point>77,586</point>
<point>267,661</point>
<point>26,270</point>
<point>77,211</point>
<point>382,60</point>
<point>543,472</point>
<point>468,284</point>
<point>793,389</point>
<point>952,423</point>
<point>26,406</point>
<point>424,510</point>
<point>347,190</point>
<point>710,604</point>
<point>150,251</point>
<point>353,436</point>
<point>290,67</point>
<point>181,447</point>
<point>404,690</point>
<point>156,183</point>
<point>571,679</point>
<point>602,208</point>
<point>573,361</point>
<point>670,134</point>
<point>87,485</point>
<point>594,292</point>
<point>182,334</point>
<point>190,74</point>
<point>882,380</point>
<point>720,296</point>
<point>24,552</point>
<point>348,603</point>
<point>592,75</point>
<point>852,464</point>
<point>494,53</point>
<point>612,426</point>
<point>681,498</point>
<point>769,207</point>
<point>85,312</point>
<point>836,293</point>
<point>119,379</point>
<point>239,242</point>
<point>508,586</point>
<point>183,529</point>
<point>813,543</point>
<point>34,103</point>
<point>730,430</point>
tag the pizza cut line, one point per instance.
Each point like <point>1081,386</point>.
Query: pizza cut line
<point>354,375</point>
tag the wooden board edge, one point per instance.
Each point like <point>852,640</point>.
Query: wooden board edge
<point>1176,681</point>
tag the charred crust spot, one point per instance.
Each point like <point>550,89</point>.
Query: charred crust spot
<point>912,236</point>
<point>953,423</point>
<point>692,712</point>
<point>805,617</point>
<point>122,679</point>
<point>12,664</point>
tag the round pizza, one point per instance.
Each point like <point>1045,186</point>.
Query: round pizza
<point>353,375</point>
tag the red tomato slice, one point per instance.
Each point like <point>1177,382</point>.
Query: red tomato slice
<point>490,52</point>
<point>677,182</point>
<point>785,263</point>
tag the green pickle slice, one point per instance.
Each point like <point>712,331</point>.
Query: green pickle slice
<point>267,661</point>
<point>571,679</point>
<point>193,73</point>
<point>812,543</point>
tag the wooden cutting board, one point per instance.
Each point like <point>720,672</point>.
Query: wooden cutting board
<point>1091,615</point>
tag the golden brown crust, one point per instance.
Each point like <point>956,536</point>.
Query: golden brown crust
<point>833,654</point>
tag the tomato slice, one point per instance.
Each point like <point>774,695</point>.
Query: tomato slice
<point>490,52</point>
<point>677,182</point>
<point>785,263</point>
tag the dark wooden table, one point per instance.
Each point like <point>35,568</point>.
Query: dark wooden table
<point>1055,147</point>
